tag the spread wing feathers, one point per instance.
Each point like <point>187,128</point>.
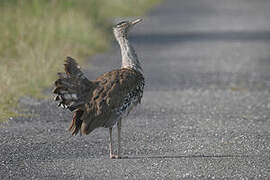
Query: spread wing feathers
<point>111,99</point>
<point>72,88</point>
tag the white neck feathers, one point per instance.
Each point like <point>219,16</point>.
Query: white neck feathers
<point>129,57</point>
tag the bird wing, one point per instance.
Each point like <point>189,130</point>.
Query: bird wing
<point>115,92</point>
<point>72,87</point>
<point>73,90</point>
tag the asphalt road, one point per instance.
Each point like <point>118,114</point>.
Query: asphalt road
<point>205,113</point>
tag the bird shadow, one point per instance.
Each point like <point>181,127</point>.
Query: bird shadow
<point>184,156</point>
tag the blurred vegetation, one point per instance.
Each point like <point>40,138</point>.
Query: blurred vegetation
<point>37,35</point>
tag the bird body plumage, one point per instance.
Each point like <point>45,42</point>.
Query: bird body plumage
<point>114,96</point>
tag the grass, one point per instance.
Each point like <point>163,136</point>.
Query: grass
<point>37,35</point>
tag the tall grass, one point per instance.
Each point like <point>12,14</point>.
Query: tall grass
<point>36,35</point>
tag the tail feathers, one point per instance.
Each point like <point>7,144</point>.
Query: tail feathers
<point>72,88</point>
<point>72,68</point>
<point>76,122</point>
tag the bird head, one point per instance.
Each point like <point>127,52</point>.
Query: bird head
<point>121,29</point>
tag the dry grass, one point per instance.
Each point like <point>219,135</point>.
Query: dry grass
<point>36,36</point>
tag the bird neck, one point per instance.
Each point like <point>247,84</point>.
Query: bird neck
<point>129,56</point>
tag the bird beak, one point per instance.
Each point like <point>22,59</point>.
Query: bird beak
<point>136,21</point>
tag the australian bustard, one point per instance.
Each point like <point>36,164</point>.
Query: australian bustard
<point>106,100</point>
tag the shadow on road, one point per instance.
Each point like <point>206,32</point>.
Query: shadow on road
<point>201,36</point>
<point>187,156</point>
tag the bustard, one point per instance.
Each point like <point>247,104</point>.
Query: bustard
<point>106,100</point>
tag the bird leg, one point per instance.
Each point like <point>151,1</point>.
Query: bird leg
<point>118,156</point>
<point>119,123</point>
<point>111,145</point>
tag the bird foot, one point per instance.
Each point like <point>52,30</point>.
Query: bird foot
<point>112,156</point>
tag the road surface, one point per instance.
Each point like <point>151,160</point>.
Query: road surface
<point>205,113</point>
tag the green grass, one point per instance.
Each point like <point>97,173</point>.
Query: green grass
<point>37,35</point>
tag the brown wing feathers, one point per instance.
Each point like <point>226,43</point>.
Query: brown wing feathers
<point>115,92</point>
<point>72,68</point>
<point>73,90</point>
